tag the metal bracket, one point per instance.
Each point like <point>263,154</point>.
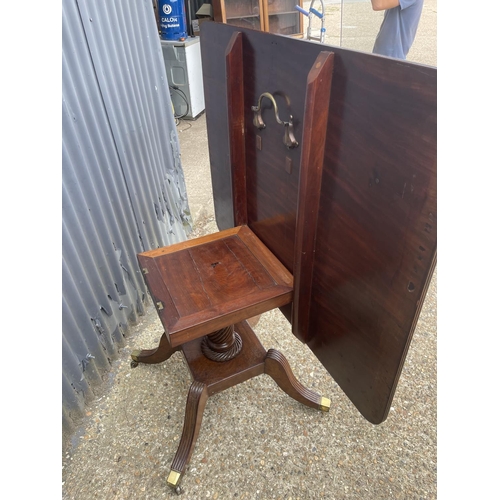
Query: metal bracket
<point>289,138</point>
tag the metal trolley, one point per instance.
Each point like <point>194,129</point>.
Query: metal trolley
<point>309,14</point>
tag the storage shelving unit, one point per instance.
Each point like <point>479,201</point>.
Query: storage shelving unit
<point>280,16</point>
<point>274,16</point>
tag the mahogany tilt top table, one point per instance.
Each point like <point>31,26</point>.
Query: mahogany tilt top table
<point>323,164</point>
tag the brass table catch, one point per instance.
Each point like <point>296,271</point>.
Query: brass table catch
<point>289,139</point>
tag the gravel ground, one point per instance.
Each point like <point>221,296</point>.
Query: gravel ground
<point>255,441</point>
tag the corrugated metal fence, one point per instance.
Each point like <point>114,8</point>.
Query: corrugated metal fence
<point>123,186</point>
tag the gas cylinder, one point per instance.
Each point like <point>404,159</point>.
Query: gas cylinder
<point>172,20</point>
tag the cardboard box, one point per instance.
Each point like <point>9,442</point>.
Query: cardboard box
<point>203,14</point>
<point>196,23</point>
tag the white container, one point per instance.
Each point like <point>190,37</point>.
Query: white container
<point>184,75</point>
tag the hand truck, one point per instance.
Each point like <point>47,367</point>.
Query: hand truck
<point>309,15</point>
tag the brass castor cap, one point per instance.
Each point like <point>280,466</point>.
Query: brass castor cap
<point>324,404</point>
<point>173,479</point>
<point>134,354</point>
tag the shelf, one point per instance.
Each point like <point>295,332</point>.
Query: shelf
<point>249,22</point>
<point>238,9</point>
<point>275,16</point>
<point>242,17</point>
<point>283,13</point>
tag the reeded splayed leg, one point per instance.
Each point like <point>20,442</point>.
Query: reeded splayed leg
<point>196,401</point>
<point>277,367</point>
<point>151,356</point>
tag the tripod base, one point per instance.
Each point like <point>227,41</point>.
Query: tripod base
<point>211,377</point>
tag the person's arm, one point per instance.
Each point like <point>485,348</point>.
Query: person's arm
<point>384,4</point>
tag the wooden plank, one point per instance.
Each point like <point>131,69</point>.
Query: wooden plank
<point>319,83</point>
<point>235,116</point>
<point>176,247</point>
<point>219,9</point>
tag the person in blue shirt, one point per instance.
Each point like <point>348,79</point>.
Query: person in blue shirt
<point>398,28</point>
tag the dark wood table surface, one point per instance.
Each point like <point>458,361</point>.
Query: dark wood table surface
<point>374,244</point>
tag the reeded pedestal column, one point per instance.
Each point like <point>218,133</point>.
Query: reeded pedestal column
<point>222,345</point>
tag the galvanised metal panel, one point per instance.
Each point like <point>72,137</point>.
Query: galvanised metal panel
<point>128,61</point>
<point>123,189</point>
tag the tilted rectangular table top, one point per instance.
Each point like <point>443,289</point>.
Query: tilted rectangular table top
<point>208,283</point>
<point>374,245</point>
